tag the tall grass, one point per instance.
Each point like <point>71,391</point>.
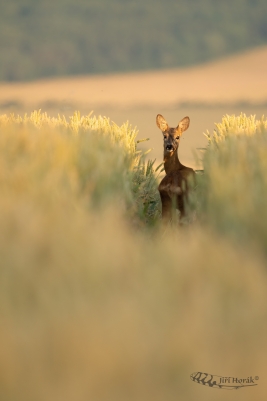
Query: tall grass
<point>85,158</point>
<point>232,192</point>
<point>92,309</point>
<point>232,126</point>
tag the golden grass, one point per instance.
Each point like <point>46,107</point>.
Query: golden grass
<point>93,308</point>
<point>232,125</point>
<point>93,311</point>
<point>232,192</point>
<point>84,158</point>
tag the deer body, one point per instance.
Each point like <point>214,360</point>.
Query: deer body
<point>173,188</point>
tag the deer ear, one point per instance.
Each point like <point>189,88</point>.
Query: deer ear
<point>161,123</point>
<point>183,124</point>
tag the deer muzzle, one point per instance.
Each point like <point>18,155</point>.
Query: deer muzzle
<point>169,148</point>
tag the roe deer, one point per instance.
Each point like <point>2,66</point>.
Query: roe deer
<point>173,188</point>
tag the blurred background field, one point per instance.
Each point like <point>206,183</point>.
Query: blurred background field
<point>98,300</point>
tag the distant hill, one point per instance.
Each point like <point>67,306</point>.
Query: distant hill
<point>67,37</point>
<point>235,79</point>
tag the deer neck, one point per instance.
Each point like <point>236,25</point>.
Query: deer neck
<point>172,162</point>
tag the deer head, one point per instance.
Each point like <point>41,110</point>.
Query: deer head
<point>171,135</point>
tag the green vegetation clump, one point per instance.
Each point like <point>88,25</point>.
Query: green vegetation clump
<point>54,38</point>
<point>232,192</point>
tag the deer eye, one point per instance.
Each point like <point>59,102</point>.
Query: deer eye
<point>177,137</point>
<point>165,136</point>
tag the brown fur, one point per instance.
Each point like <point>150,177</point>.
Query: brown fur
<point>173,188</point>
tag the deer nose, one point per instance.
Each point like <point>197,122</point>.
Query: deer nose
<point>169,147</point>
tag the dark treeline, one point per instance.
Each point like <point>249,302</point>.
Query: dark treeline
<point>40,38</point>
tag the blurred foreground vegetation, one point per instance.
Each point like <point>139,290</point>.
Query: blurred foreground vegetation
<point>95,306</point>
<point>53,38</point>
<point>232,192</point>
